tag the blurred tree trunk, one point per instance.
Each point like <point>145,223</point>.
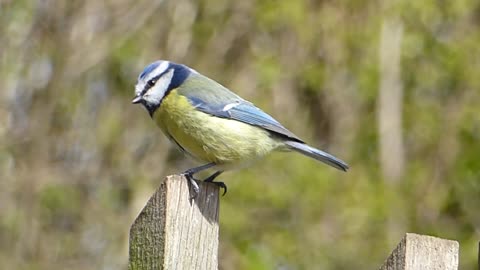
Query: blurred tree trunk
<point>389,115</point>
<point>342,100</point>
<point>390,101</point>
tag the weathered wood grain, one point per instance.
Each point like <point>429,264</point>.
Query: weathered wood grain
<point>174,232</point>
<point>421,252</point>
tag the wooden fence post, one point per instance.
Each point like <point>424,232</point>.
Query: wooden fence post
<point>174,232</point>
<point>421,252</point>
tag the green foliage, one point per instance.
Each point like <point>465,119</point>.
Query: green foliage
<point>77,161</point>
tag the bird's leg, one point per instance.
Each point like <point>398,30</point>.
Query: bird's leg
<point>192,181</point>
<point>219,184</point>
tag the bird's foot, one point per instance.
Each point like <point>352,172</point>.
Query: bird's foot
<point>219,184</point>
<point>192,182</point>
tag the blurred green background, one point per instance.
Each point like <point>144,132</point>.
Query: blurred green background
<point>391,87</point>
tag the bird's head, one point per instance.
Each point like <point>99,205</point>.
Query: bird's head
<point>156,81</point>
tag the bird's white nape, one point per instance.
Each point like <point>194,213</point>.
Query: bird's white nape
<point>193,70</point>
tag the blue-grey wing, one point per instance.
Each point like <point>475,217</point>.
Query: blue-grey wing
<point>223,103</point>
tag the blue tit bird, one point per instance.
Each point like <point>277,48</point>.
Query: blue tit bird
<point>210,123</point>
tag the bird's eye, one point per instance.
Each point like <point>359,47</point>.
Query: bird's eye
<point>151,82</point>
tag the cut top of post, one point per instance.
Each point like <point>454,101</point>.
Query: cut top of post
<point>422,252</point>
<point>173,231</point>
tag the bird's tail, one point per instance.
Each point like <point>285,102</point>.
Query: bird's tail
<point>317,154</point>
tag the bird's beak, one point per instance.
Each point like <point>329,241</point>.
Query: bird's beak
<point>137,99</point>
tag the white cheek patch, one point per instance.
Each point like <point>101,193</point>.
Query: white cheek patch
<point>157,92</point>
<point>139,87</point>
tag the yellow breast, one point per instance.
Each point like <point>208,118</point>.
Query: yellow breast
<point>209,138</point>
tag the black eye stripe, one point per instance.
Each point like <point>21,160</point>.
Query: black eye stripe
<point>150,83</point>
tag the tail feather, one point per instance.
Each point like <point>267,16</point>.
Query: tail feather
<point>317,154</point>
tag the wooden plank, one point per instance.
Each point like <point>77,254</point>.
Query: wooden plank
<point>174,232</point>
<point>421,252</point>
